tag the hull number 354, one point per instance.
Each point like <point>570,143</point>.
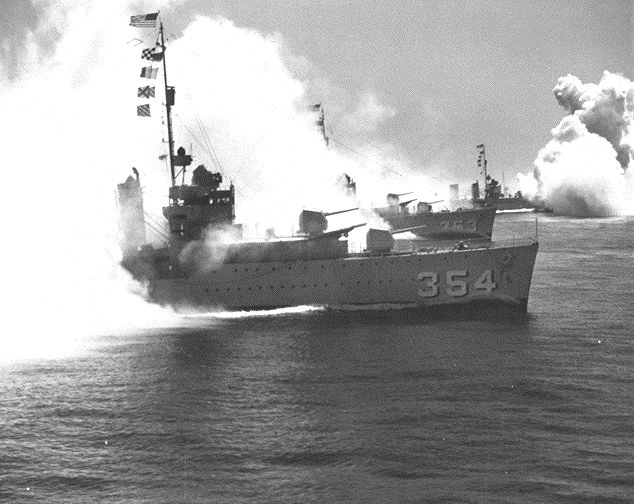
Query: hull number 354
<point>456,282</point>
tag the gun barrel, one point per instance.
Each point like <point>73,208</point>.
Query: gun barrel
<point>405,203</point>
<point>328,214</point>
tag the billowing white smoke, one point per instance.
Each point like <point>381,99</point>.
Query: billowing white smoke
<point>67,140</point>
<point>70,134</point>
<point>583,170</point>
<point>236,82</point>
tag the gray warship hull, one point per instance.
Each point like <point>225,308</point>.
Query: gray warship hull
<point>510,204</point>
<point>471,223</point>
<point>493,274</point>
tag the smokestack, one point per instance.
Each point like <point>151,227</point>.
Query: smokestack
<point>131,215</point>
<point>475,190</point>
<point>454,193</point>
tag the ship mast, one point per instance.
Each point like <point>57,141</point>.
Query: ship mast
<point>169,101</point>
<point>321,123</point>
<point>484,163</point>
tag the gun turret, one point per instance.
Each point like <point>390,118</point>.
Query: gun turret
<point>393,198</point>
<point>313,223</point>
<point>405,203</point>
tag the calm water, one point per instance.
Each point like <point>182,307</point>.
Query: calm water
<point>323,407</point>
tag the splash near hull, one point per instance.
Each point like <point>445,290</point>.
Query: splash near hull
<point>495,275</point>
<point>475,223</point>
<point>511,204</point>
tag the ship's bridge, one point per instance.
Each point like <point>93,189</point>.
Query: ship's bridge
<point>196,206</point>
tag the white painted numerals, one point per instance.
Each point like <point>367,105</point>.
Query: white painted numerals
<point>485,282</point>
<point>457,283</point>
<point>430,284</point>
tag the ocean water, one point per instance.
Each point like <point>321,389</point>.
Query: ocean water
<point>315,406</point>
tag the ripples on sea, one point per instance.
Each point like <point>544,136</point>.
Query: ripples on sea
<point>314,406</point>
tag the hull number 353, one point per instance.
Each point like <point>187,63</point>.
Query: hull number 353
<point>456,282</point>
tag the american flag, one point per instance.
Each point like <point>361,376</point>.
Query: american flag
<point>144,20</point>
<point>149,72</point>
<point>143,110</point>
<point>145,92</point>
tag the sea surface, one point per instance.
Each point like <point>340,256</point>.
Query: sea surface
<point>315,406</point>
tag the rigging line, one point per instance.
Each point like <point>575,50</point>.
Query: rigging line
<point>387,154</point>
<point>366,157</point>
<point>157,225</point>
<point>157,231</point>
<point>210,147</point>
<point>205,138</point>
<point>202,129</point>
<point>153,219</point>
<point>195,137</point>
<point>244,161</point>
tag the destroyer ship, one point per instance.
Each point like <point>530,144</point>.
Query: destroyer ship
<point>205,263</point>
<point>494,196</point>
<point>474,223</point>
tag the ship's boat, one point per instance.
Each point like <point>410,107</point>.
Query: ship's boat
<point>444,225</point>
<point>207,263</point>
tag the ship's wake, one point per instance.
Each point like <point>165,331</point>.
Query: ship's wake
<point>247,314</point>
<point>583,170</point>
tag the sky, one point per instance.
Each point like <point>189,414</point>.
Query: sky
<point>450,74</point>
<point>457,73</point>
